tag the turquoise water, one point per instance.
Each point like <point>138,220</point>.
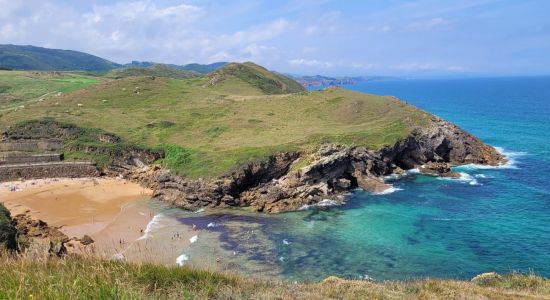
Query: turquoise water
<point>489,220</point>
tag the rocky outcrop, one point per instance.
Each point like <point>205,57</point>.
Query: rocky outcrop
<point>226,191</point>
<point>270,186</point>
<point>440,169</point>
<point>441,141</point>
<point>39,238</point>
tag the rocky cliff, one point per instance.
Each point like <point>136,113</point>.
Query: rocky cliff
<point>276,185</point>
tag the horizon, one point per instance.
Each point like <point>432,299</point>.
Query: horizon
<point>424,39</point>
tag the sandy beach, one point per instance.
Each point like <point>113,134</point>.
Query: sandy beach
<point>112,211</point>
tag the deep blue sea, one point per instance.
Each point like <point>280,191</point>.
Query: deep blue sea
<point>491,219</point>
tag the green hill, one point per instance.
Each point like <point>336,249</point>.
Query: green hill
<point>38,58</point>
<point>154,70</point>
<point>232,116</point>
<point>202,68</point>
<point>199,68</point>
<point>255,76</point>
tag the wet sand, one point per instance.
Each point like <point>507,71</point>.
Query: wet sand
<point>112,211</point>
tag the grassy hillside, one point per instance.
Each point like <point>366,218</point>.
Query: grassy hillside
<point>215,127</point>
<point>80,278</point>
<point>202,68</point>
<point>154,70</point>
<point>198,68</point>
<point>38,58</point>
<point>21,88</point>
<point>260,78</point>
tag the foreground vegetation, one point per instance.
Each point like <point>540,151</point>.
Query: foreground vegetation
<point>214,123</point>
<point>8,233</point>
<point>86,278</point>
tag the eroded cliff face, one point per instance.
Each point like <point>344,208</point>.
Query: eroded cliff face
<point>274,185</point>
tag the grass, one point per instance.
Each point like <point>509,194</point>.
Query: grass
<point>225,124</point>
<point>21,88</point>
<point>154,70</point>
<point>87,278</point>
<point>268,82</point>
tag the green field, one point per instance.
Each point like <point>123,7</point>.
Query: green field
<point>21,88</point>
<point>217,122</point>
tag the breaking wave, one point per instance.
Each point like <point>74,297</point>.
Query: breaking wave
<point>322,203</point>
<point>511,156</point>
<point>152,225</point>
<point>464,177</point>
<point>388,191</point>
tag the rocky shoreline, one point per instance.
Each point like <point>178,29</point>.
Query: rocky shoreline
<point>283,182</point>
<point>274,185</point>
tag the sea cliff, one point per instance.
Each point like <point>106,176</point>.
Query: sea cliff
<point>285,180</point>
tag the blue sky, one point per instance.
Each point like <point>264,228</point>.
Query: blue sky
<point>403,38</point>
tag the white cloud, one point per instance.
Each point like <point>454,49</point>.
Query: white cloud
<point>311,63</point>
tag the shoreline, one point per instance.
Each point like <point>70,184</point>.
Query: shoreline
<point>111,211</point>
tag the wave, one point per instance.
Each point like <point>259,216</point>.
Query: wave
<point>388,191</point>
<point>464,177</point>
<point>193,239</point>
<point>322,203</point>
<point>511,156</point>
<point>393,177</point>
<point>213,225</point>
<point>180,260</point>
<point>152,225</point>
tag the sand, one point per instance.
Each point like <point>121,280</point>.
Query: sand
<point>114,212</point>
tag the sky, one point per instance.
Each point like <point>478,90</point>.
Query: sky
<point>392,37</point>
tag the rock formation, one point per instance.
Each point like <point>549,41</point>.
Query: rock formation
<point>273,186</point>
<point>278,183</point>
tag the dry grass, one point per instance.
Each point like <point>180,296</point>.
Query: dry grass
<point>87,278</point>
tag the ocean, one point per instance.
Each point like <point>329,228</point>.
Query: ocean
<point>490,219</point>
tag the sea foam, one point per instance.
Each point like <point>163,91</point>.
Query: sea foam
<point>388,191</point>
<point>511,156</point>
<point>213,225</point>
<point>464,177</point>
<point>151,226</point>
<point>322,203</point>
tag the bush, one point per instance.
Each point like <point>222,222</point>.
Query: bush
<point>8,233</point>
